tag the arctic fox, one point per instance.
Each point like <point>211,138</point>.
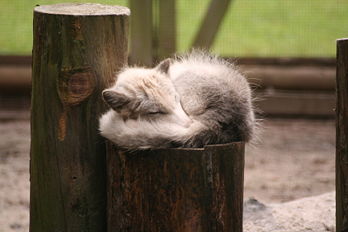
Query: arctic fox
<point>189,101</point>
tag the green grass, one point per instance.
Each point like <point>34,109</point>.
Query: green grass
<point>283,28</point>
<point>16,22</point>
<point>250,28</point>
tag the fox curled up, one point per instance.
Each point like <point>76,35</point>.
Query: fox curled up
<point>188,101</point>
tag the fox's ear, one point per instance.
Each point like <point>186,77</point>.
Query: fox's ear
<point>164,65</point>
<point>115,100</point>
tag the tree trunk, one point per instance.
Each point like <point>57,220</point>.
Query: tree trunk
<point>77,49</point>
<point>342,137</point>
<point>177,190</point>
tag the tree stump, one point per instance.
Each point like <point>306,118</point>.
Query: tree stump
<point>342,137</point>
<point>77,49</point>
<point>176,190</point>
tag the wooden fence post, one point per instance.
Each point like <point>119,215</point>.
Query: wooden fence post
<point>141,41</point>
<point>77,49</point>
<point>166,28</point>
<point>342,137</point>
<point>198,189</point>
<point>211,23</point>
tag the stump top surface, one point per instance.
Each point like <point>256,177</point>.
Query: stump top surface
<point>342,40</point>
<point>82,9</point>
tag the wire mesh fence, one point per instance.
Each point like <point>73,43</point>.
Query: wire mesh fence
<point>268,28</point>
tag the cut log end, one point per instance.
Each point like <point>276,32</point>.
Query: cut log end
<point>82,9</point>
<point>342,40</point>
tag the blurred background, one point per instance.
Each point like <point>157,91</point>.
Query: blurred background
<point>286,48</point>
<point>252,28</point>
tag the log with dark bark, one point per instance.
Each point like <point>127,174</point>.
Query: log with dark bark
<point>77,49</point>
<point>179,190</point>
<point>342,137</point>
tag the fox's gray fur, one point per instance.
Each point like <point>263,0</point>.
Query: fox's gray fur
<point>190,101</point>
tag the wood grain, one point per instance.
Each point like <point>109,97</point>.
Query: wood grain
<point>77,49</point>
<point>176,189</point>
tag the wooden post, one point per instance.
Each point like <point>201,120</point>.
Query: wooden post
<point>77,49</point>
<point>211,23</point>
<point>166,28</point>
<point>176,189</point>
<point>141,41</point>
<point>342,137</point>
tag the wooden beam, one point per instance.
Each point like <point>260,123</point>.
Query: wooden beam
<point>77,49</point>
<point>295,103</point>
<point>342,137</point>
<point>273,61</point>
<point>166,28</point>
<point>15,79</point>
<point>141,36</point>
<point>284,61</point>
<point>15,60</point>
<point>211,23</point>
<point>290,77</point>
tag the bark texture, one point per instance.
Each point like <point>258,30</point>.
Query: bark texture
<point>77,49</point>
<point>198,190</point>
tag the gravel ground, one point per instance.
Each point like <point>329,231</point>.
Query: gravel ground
<point>294,159</point>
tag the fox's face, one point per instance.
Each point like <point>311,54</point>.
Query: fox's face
<point>148,94</point>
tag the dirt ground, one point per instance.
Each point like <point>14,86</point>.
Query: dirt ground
<point>294,159</point>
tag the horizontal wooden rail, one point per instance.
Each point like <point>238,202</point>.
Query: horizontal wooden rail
<point>289,78</point>
<point>15,60</point>
<point>283,61</point>
<point>15,79</point>
<point>299,103</point>
<point>18,78</point>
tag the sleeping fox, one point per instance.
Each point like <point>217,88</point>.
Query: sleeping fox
<point>189,101</point>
